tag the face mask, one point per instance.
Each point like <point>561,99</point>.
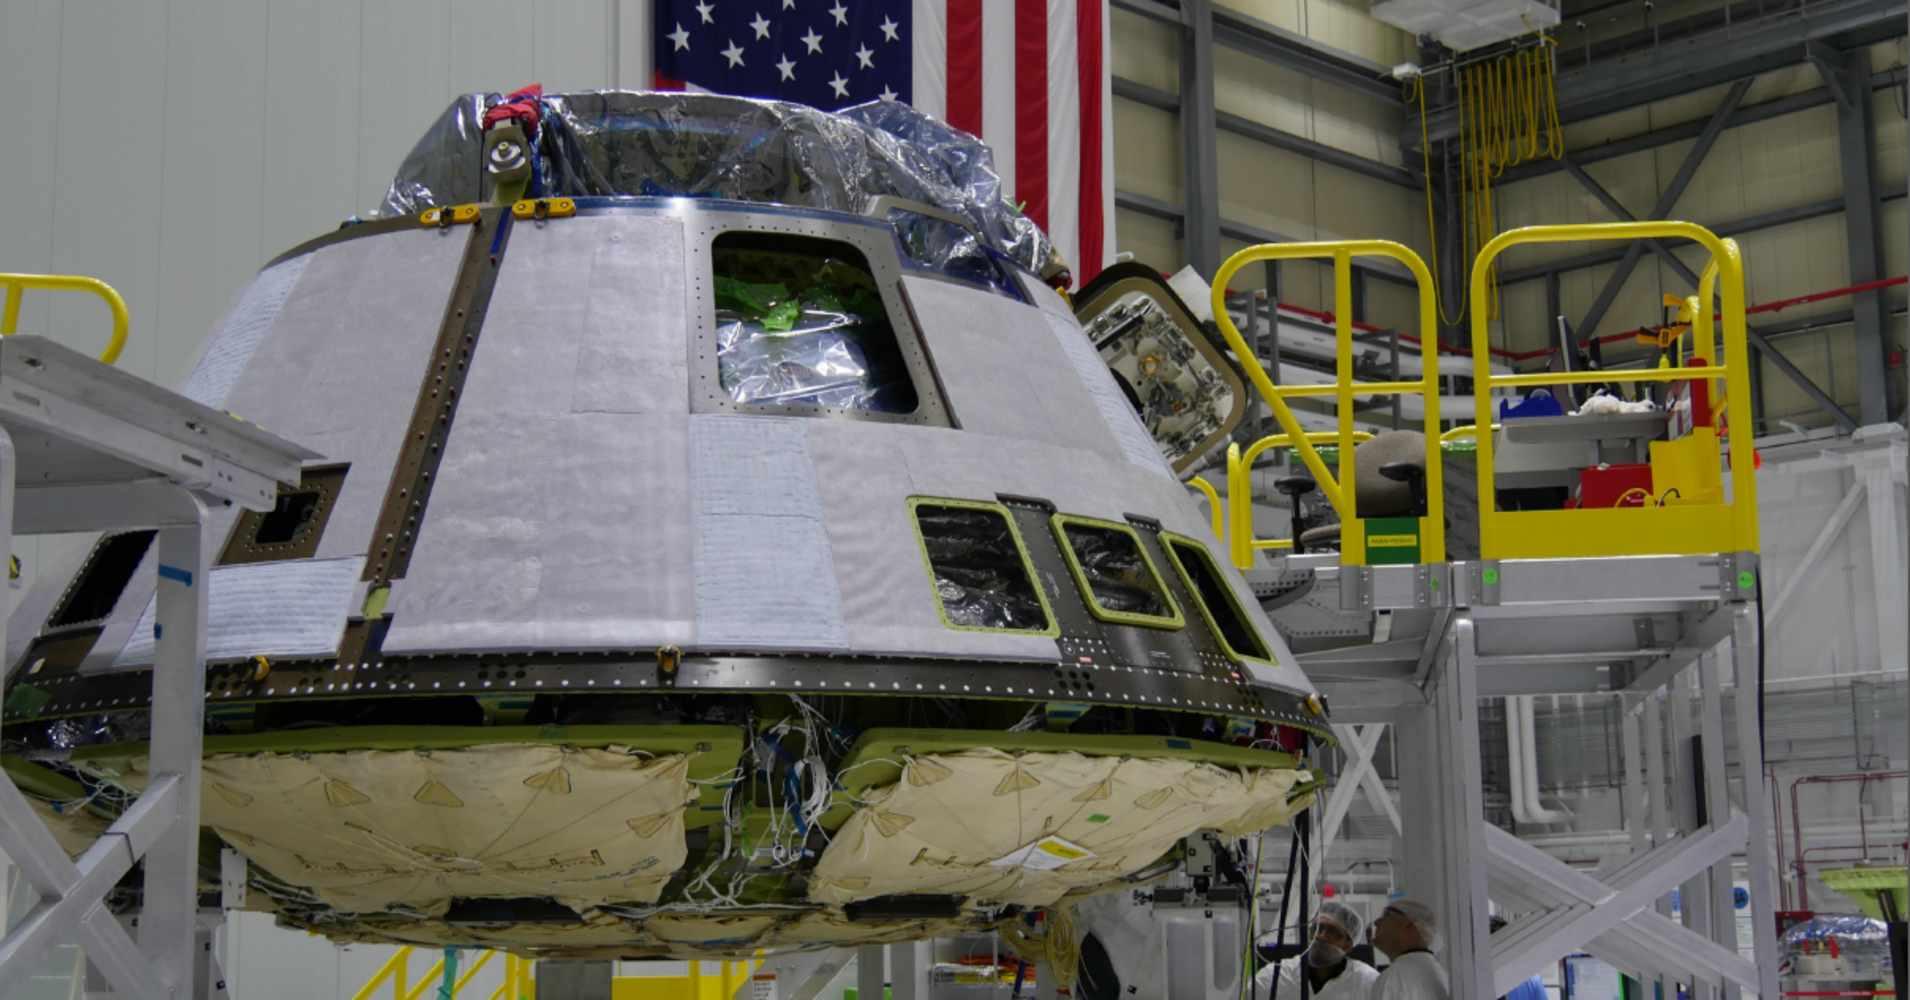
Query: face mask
<point>1320,955</point>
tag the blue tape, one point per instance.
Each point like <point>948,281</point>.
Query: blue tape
<point>175,573</point>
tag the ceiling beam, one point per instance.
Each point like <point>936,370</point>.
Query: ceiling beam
<point>1752,224</point>
<point>1746,115</point>
<point>1247,128</point>
<point>1707,60</point>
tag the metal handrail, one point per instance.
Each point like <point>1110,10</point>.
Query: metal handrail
<point>397,970</point>
<point>1647,530</point>
<point>1468,431</point>
<point>1243,544</point>
<point>1432,530</point>
<point>17,284</point>
<point>1213,503</point>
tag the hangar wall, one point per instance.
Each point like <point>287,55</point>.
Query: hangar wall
<point>1769,166</point>
<point>1261,186</point>
<point>170,149</point>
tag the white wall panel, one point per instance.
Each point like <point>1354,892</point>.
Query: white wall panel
<point>1152,241</point>
<point>170,148</point>
<point>1146,151</point>
<point>1341,25</point>
<point>1145,51</point>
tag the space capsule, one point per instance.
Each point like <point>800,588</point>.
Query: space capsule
<point>727,538</point>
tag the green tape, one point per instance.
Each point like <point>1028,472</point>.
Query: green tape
<point>1490,576</point>
<point>26,701</point>
<point>1746,580</point>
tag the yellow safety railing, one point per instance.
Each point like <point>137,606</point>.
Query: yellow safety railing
<point>1664,529</point>
<point>518,984</point>
<point>1339,491</point>
<point>1468,431</point>
<point>1213,501</point>
<point>1241,543</point>
<point>397,971</point>
<point>17,284</point>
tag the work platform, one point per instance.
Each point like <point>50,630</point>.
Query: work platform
<point>1652,598</point>
<point>85,447</point>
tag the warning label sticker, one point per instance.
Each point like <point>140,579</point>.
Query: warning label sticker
<point>1043,855</point>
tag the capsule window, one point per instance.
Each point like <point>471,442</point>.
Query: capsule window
<point>800,321</point>
<point>979,568</point>
<point>1218,605</point>
<point>96,589</point>
<point>294,525</point>
<point>1116,577</point>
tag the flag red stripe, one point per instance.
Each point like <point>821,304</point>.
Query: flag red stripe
<point>965,65</point>
<point>1087,29</point>
<point>1031,108</point>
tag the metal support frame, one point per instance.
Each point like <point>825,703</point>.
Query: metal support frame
<point>112,452</point>
<point>1747,114</point>
<point>1758,338</point>
<point>1247,128</point>
<point>1847,77</point>
<point>1200,155</point>
<point>1720,57</point>
<point>909,964</point>
<point>1359,744</point>
<point>161,826</point>
<point>1678,810</point>
<point>1667,201</point>
<point>871,971</point>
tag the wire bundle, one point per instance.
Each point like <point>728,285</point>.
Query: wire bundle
<point>1056,948</point>
<point>1508,114</point>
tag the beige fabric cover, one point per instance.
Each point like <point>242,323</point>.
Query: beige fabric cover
<point>937,829</point>
<point>74,831</point>
<point>367,829</point>
<point>677,935</point>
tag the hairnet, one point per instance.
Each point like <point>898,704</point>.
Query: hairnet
<point>1421,917</point>
<point>1336,912</point>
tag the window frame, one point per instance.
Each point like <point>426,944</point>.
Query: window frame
<point>1168,540</point>
<point>1021,547</point>
<point>874,239</point>
<point>1058,524</point>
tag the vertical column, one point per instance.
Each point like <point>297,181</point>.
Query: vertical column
<point>871,976</point>
<point>1717,803</point>
<point>909,964</point>
<point>1857,156</point>
<point>1652,722</point>
<point>178,725</point>
<point>1200,155</point>
<point>1684,799</point>
<point>1465,921</point>
<point>1630,718</point>
<point>1759,866</point>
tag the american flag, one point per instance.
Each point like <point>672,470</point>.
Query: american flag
<point>1030,77</point>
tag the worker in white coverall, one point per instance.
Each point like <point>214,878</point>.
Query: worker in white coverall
<point>1408,933</point>
<point>1331,973</point>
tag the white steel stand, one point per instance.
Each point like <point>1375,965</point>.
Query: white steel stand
<point>1665,632</point>
<point>100,450</point>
